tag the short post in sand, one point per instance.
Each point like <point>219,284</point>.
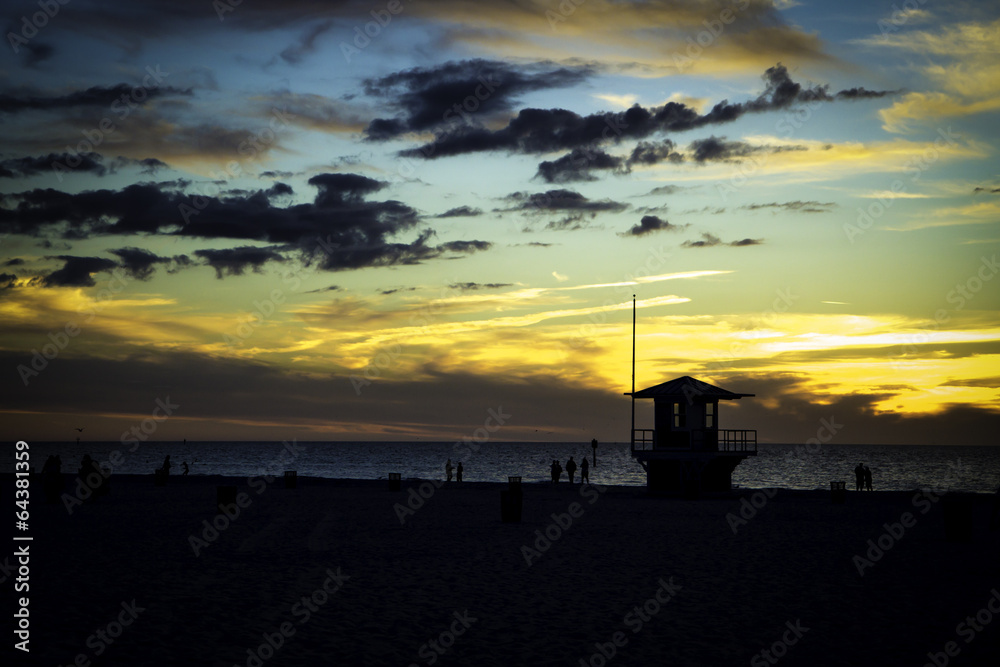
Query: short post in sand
<point>291,479</point>
<point>838,492</point>
<point>395,481</point>
<point>510,501</point>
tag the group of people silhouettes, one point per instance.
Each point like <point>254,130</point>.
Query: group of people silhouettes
<point>448,468</point>
<point>557,470</point>
<point>863,476</point>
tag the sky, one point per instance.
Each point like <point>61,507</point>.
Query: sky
<point>399,219</point>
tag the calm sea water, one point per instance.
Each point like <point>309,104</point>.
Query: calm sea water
<point>894,468</point>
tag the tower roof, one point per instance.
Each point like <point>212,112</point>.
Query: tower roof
<point>688,388</point>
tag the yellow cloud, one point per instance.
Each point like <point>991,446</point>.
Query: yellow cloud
<point>930,106</point>
<point>969,76</point>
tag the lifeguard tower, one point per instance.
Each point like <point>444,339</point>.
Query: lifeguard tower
<point>686,453</point>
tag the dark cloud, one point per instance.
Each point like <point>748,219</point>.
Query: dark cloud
<point>663,190</point>
<point>991,191</point>
<point>577,208</point>
<point>798,206</point>
<point>428,98</point>
<point>306,45</point>
<point>17,261</point>
<point>279,189</point>
<point>709,240</point>
<point>578,165</point>
<point>235,261</point>
<point>53,162</point>
<point>61,163</point>
<point>472,287</point>
<point>276,174</point>
<point>561,200</point>
<point>7,281</point>
<point>460,212</point>
<point>650,153</point>
<point>545,130</point>
<point>717,149</point>
<point>77,271</point>
<point>341,229</point>
<point>35,53</point>
<point>95,96</point>
<point>140,263</point>
<point>649,224</point>
<point>465,246</point>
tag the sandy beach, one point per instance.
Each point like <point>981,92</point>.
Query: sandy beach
<point>348,572</point>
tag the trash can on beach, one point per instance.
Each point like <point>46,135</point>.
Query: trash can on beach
<point>838,492</point>
<point>395,482</point>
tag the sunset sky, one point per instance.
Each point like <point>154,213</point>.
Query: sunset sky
<point>382,220</point>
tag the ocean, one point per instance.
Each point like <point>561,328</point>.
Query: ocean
<point>894,467</point>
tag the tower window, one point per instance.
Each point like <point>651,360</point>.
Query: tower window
<point>710,415</point>
<point>680,415</point>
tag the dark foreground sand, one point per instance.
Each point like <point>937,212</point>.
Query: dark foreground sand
<point>785,582</point>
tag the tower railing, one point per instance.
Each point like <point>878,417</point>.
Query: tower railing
<point>722,440</point>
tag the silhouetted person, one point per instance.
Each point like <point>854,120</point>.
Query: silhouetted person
<point>166,465</point>
<point>584,471</point>
<point>556,471</point>
<point>570,469</point>
<point>86,465</point>
<point>185,464</point>
<point>859,474</point>
<point>868,478</point>
<point>458,472</point>
<point>448,469</point>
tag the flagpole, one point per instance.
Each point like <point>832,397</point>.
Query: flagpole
<point>633,372</point>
